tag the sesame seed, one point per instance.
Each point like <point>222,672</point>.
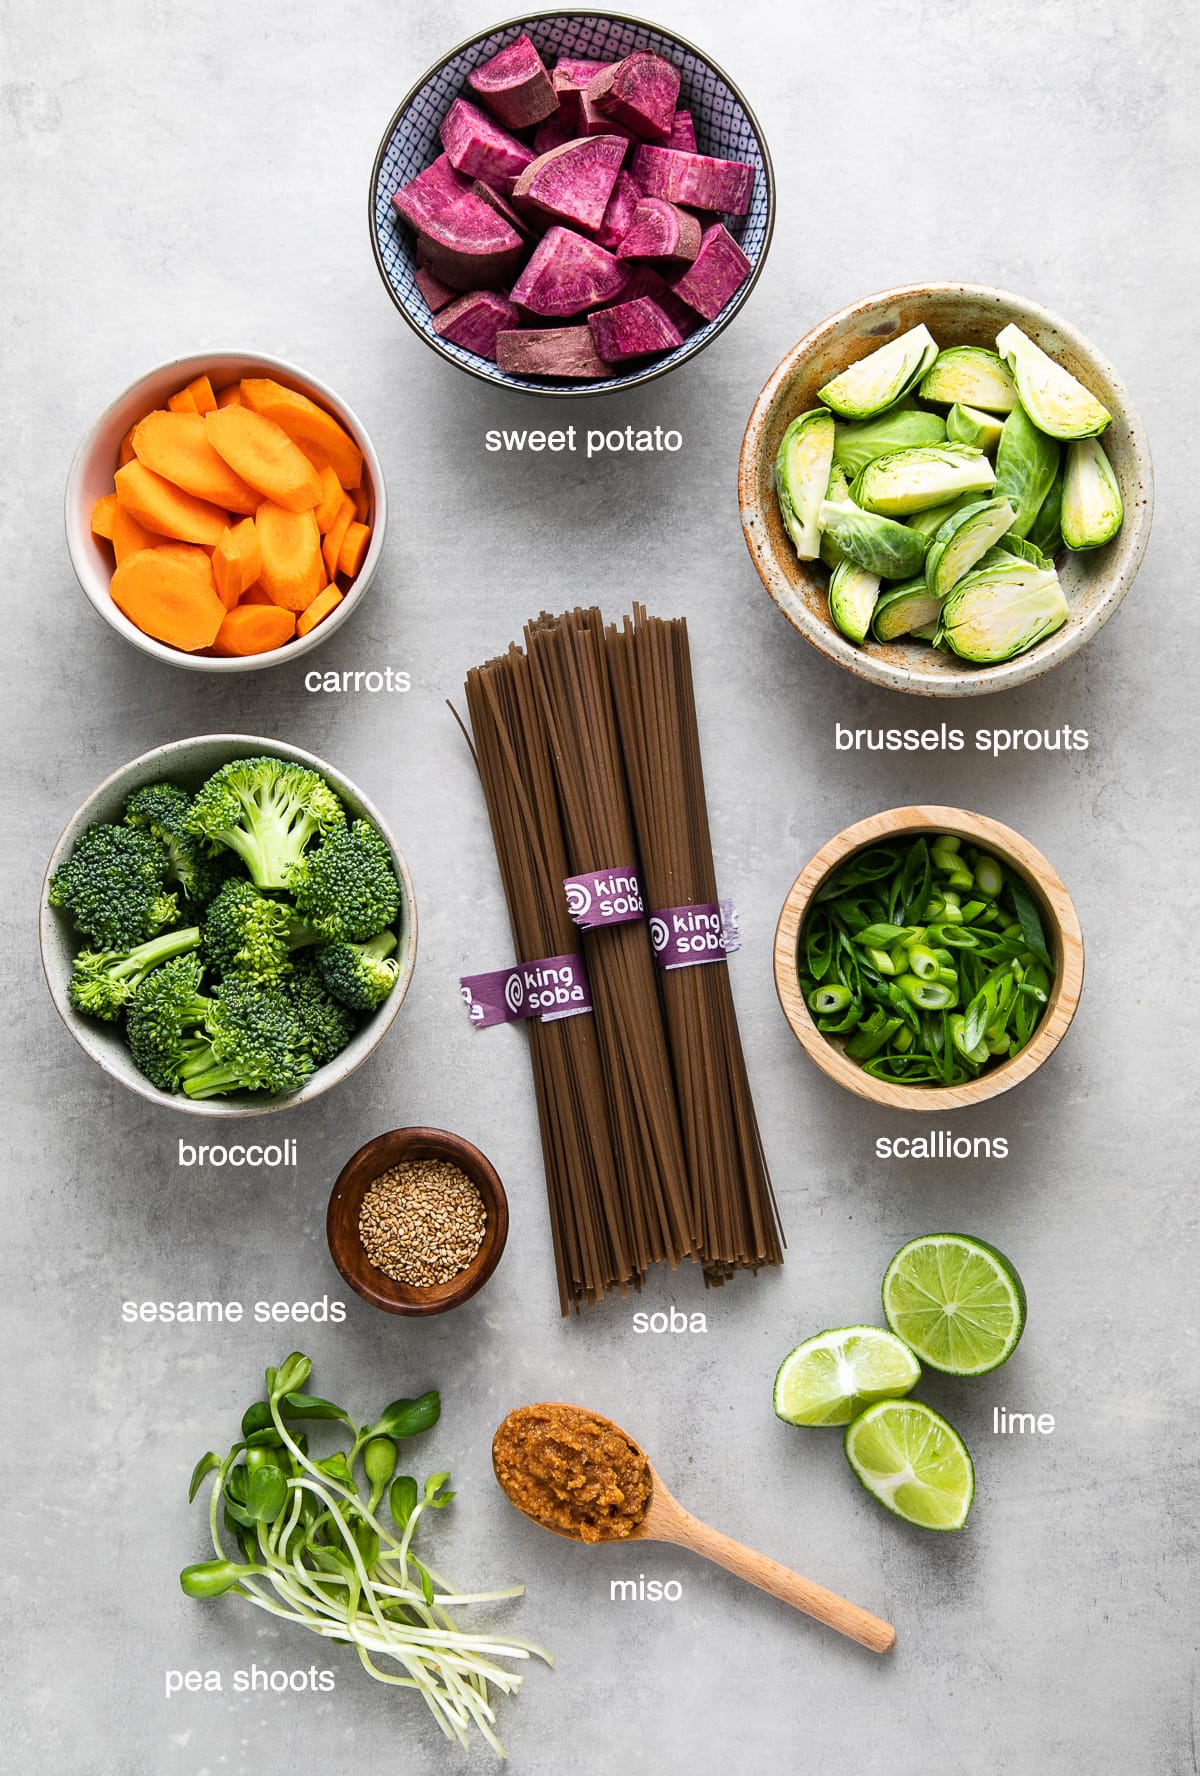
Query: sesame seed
<point>422,1222</point>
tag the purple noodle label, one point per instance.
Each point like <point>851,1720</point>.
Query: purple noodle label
<point>685,936</point>
<point>604,897</point>
<point>556,987</point>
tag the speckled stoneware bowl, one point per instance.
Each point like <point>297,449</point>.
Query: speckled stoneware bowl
<point>92,475</point>
<point>725,127</point>
<point>189,762</point>
<point>956,314</point>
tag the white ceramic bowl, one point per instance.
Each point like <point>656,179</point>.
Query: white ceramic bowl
<point>956,314</point>
<point>189,762</point>
<point>95,462</point>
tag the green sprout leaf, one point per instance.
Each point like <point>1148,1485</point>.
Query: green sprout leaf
<point>408,1418</point>
<point>205,1466</point>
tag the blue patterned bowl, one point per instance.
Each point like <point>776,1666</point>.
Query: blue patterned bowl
<point>725,127</point>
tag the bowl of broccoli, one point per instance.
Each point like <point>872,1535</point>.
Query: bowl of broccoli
<point>228,926</point>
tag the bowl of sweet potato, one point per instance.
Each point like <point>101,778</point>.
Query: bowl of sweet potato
<point>226,512</point>
<point>571,203</point>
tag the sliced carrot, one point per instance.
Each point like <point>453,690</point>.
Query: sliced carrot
<point>125,450</point>
<point>183,401</point>
<point>353,550</point>
<point>262,453</point>
<point>336,536</point>
<point>254,629</point>
<point>291,555</point>
<point>256,595</point>
<point>165,508</point>
<point>362,505</point>
<point>167,599</point>
<point>230,395</point>
<point>318,610</point>
<point>318,433</point>
<point>102,516</point>
<point>237,562</point>
<point>331,500</point>
<point>128,535</point>
<point>176,446</point>
<point>201,392</point>
<point>188,555</point>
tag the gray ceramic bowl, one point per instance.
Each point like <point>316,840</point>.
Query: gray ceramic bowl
<point>96,459</point>
<point>189,762</point>
<point>956,314</point>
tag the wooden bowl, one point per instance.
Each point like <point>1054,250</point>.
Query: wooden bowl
<point>1063,937</point>
<point>956,314</point>
<point>345,1205</point>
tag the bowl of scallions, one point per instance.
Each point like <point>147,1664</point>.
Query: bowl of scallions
<point>928,958</point>
<point>946,489</point>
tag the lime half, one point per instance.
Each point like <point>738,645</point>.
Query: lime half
<point>912,1461</point>
<point>828,1379</point>
<point>958,1302</point>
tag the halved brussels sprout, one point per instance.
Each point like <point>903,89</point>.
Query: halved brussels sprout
<point>930,522</point>
<point>838,489</point>
<point>911,480</point>
<point>854,446</point>
<point>894,551</point>
<point>962,541</point>
<point>971,376</point>
<point>971,425</point>
<point>878,380</point>
<point>1015,548</point>
<point>801,476</point>
<point>927,632</point>
<point>903,610</point>
<point>853,591</point>
<point>1001,611</point>
<point>1053,398</point>
<point>1092,507</point>
<point>1026,464</point>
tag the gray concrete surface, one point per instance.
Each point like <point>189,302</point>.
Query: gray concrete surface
<point>179,177</point>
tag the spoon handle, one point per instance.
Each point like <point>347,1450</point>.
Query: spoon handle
<point>825,1606</point>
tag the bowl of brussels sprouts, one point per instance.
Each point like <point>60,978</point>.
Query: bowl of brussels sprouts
<point>946,489</point>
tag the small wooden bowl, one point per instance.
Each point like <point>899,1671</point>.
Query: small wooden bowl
<point>1063,936</point>
<point>345,1205</point>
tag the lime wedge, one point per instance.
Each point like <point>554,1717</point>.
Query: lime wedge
<point>828,1379</point>
<point>907,1456</point>
<point>957,1302</point>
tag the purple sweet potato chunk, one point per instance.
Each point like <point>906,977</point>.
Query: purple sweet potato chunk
<point>567,274</point>
<point>470,247</point>
<point>719,270</point>
<point>478,147</point>
<point>633,330</point>
<point>475,320</point>
<point>573,73</point>
<point>496,200</point>
<point>694,179</point>
<point>561,126</point>
<point>660,231</point>
<point>431,193</point>
<point>437,295</point>
<point>515,86</point>
<point>683,133</point>
<point>640,93</point>
<point>593,122</point>
<point>569,352</point>
<point>626,196</point>
<point>573,183</point>
<point>644,280</point>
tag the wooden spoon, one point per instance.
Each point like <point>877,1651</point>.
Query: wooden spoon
<point>665,1520</point>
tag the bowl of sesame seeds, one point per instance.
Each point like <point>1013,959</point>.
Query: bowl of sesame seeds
<point>417,1221</point>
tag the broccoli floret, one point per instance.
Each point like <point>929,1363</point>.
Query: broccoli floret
<point>164,1016</point>
<point>360,975</point>
<point>113,887</point>
<point>247,933</point>
<point>104,981</point>
<point>254,1041</point>
<point>328,1026</point>
<point>347,888</point>
<point>163,809</point>
<point>268,811</point>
